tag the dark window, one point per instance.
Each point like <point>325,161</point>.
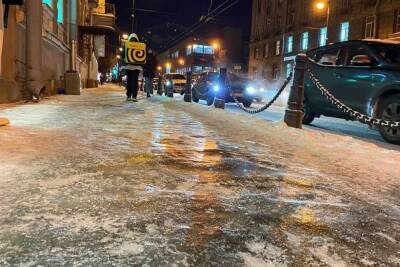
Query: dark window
<point>355,53</point>
<point>329,57</point>
<point>389,53</point>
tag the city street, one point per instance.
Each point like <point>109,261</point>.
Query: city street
<point>352,129</point>
<point>93,180</point>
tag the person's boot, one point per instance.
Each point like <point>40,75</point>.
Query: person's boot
<point>134,99</point>
<point>129,98</point>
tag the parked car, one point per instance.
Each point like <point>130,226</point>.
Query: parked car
<point>363,74</point>
<point>176,80</point>
<point>207,86</point>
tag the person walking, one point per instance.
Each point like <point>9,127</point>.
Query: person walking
<point>149,72</point>
<point>132,72</point>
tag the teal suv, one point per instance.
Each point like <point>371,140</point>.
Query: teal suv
<point>363,74</point>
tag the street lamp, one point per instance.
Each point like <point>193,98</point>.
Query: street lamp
<point>215,45</point>
<point>121,49</point>
<point>125,36</point>
<point>159,68</point>
<point>181,62</point>
<point>118,57</point>
<point>322,5</point>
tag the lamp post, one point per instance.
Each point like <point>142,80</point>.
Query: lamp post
<point>322,5</point>
<point>133,16</point>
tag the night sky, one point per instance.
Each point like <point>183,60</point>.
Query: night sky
<point>183,14</point>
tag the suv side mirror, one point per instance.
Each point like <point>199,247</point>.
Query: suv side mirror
<point>361,60</point>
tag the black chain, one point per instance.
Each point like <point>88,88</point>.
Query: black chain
<point>267,105</point>
<point>346,109</point>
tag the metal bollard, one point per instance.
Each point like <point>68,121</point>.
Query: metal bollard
<point>159,86</point>
<point>188,88</point>
<point>294,111</point>
<point>170,89</point>
<point>221,94</point>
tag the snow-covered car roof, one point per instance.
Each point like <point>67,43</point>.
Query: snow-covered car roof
<point>382,41</point>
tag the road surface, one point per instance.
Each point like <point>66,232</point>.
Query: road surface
<point>93,180</point>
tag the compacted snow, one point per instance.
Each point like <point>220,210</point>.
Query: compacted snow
<point>93,180</point>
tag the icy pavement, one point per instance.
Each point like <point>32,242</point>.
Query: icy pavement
<point>94,181</point>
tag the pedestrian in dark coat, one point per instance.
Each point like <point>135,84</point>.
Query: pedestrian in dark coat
<point>132,72</point>
<point>149,72</point>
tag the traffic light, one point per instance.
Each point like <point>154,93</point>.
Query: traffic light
<point>13,2</point>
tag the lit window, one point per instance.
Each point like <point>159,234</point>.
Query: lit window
<point>198,49</point>
<point>48,2</point>
<point>209,50</point>
<point>278,47</point>
<point>323,36</point>
<point>189,50</point>
<point>396,21</point>
<point>60,11</point>
<point>369,27</point>
<point>304,41</point>
<point>289,69</point>
<point>275,72</point>
<point>256,53</point>
<point>344,31</point>
<point>290,44</point>
<point>266,50</point>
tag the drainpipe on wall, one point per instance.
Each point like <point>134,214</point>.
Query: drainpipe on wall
<point>33,44</point>
<point>376,18</point>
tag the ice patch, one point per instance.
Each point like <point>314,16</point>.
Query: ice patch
<point>126,249</point>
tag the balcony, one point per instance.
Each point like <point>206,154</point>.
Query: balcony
<point>104,16</point>
<point>103,21</point>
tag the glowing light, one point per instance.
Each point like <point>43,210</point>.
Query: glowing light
<point>121,49</point>
<point>125,36</point>
<point>168,65</point>
<point>250,90</point>
<point>118,57</point>
<point>159,68</point>
<point>320,5</point>
<point>262,89</point>
<point>181,61</point>
<point>216,88</point>
<point>215,45</point>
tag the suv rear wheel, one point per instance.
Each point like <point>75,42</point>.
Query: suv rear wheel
<point>309,116</point>
<point>390,110</point>
<point>210,99</point>
<point>247,102</point>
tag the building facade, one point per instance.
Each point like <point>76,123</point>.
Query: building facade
<point>37,46</point>
<point>201,54</point>
<point>283,28</point>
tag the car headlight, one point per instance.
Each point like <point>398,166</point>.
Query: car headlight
<point>250,90</point>
<point>168,83</point>
<point>262,90</point>
<point>216,88</point>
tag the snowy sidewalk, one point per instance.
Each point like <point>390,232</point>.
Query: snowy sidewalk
<point>94,180</point>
